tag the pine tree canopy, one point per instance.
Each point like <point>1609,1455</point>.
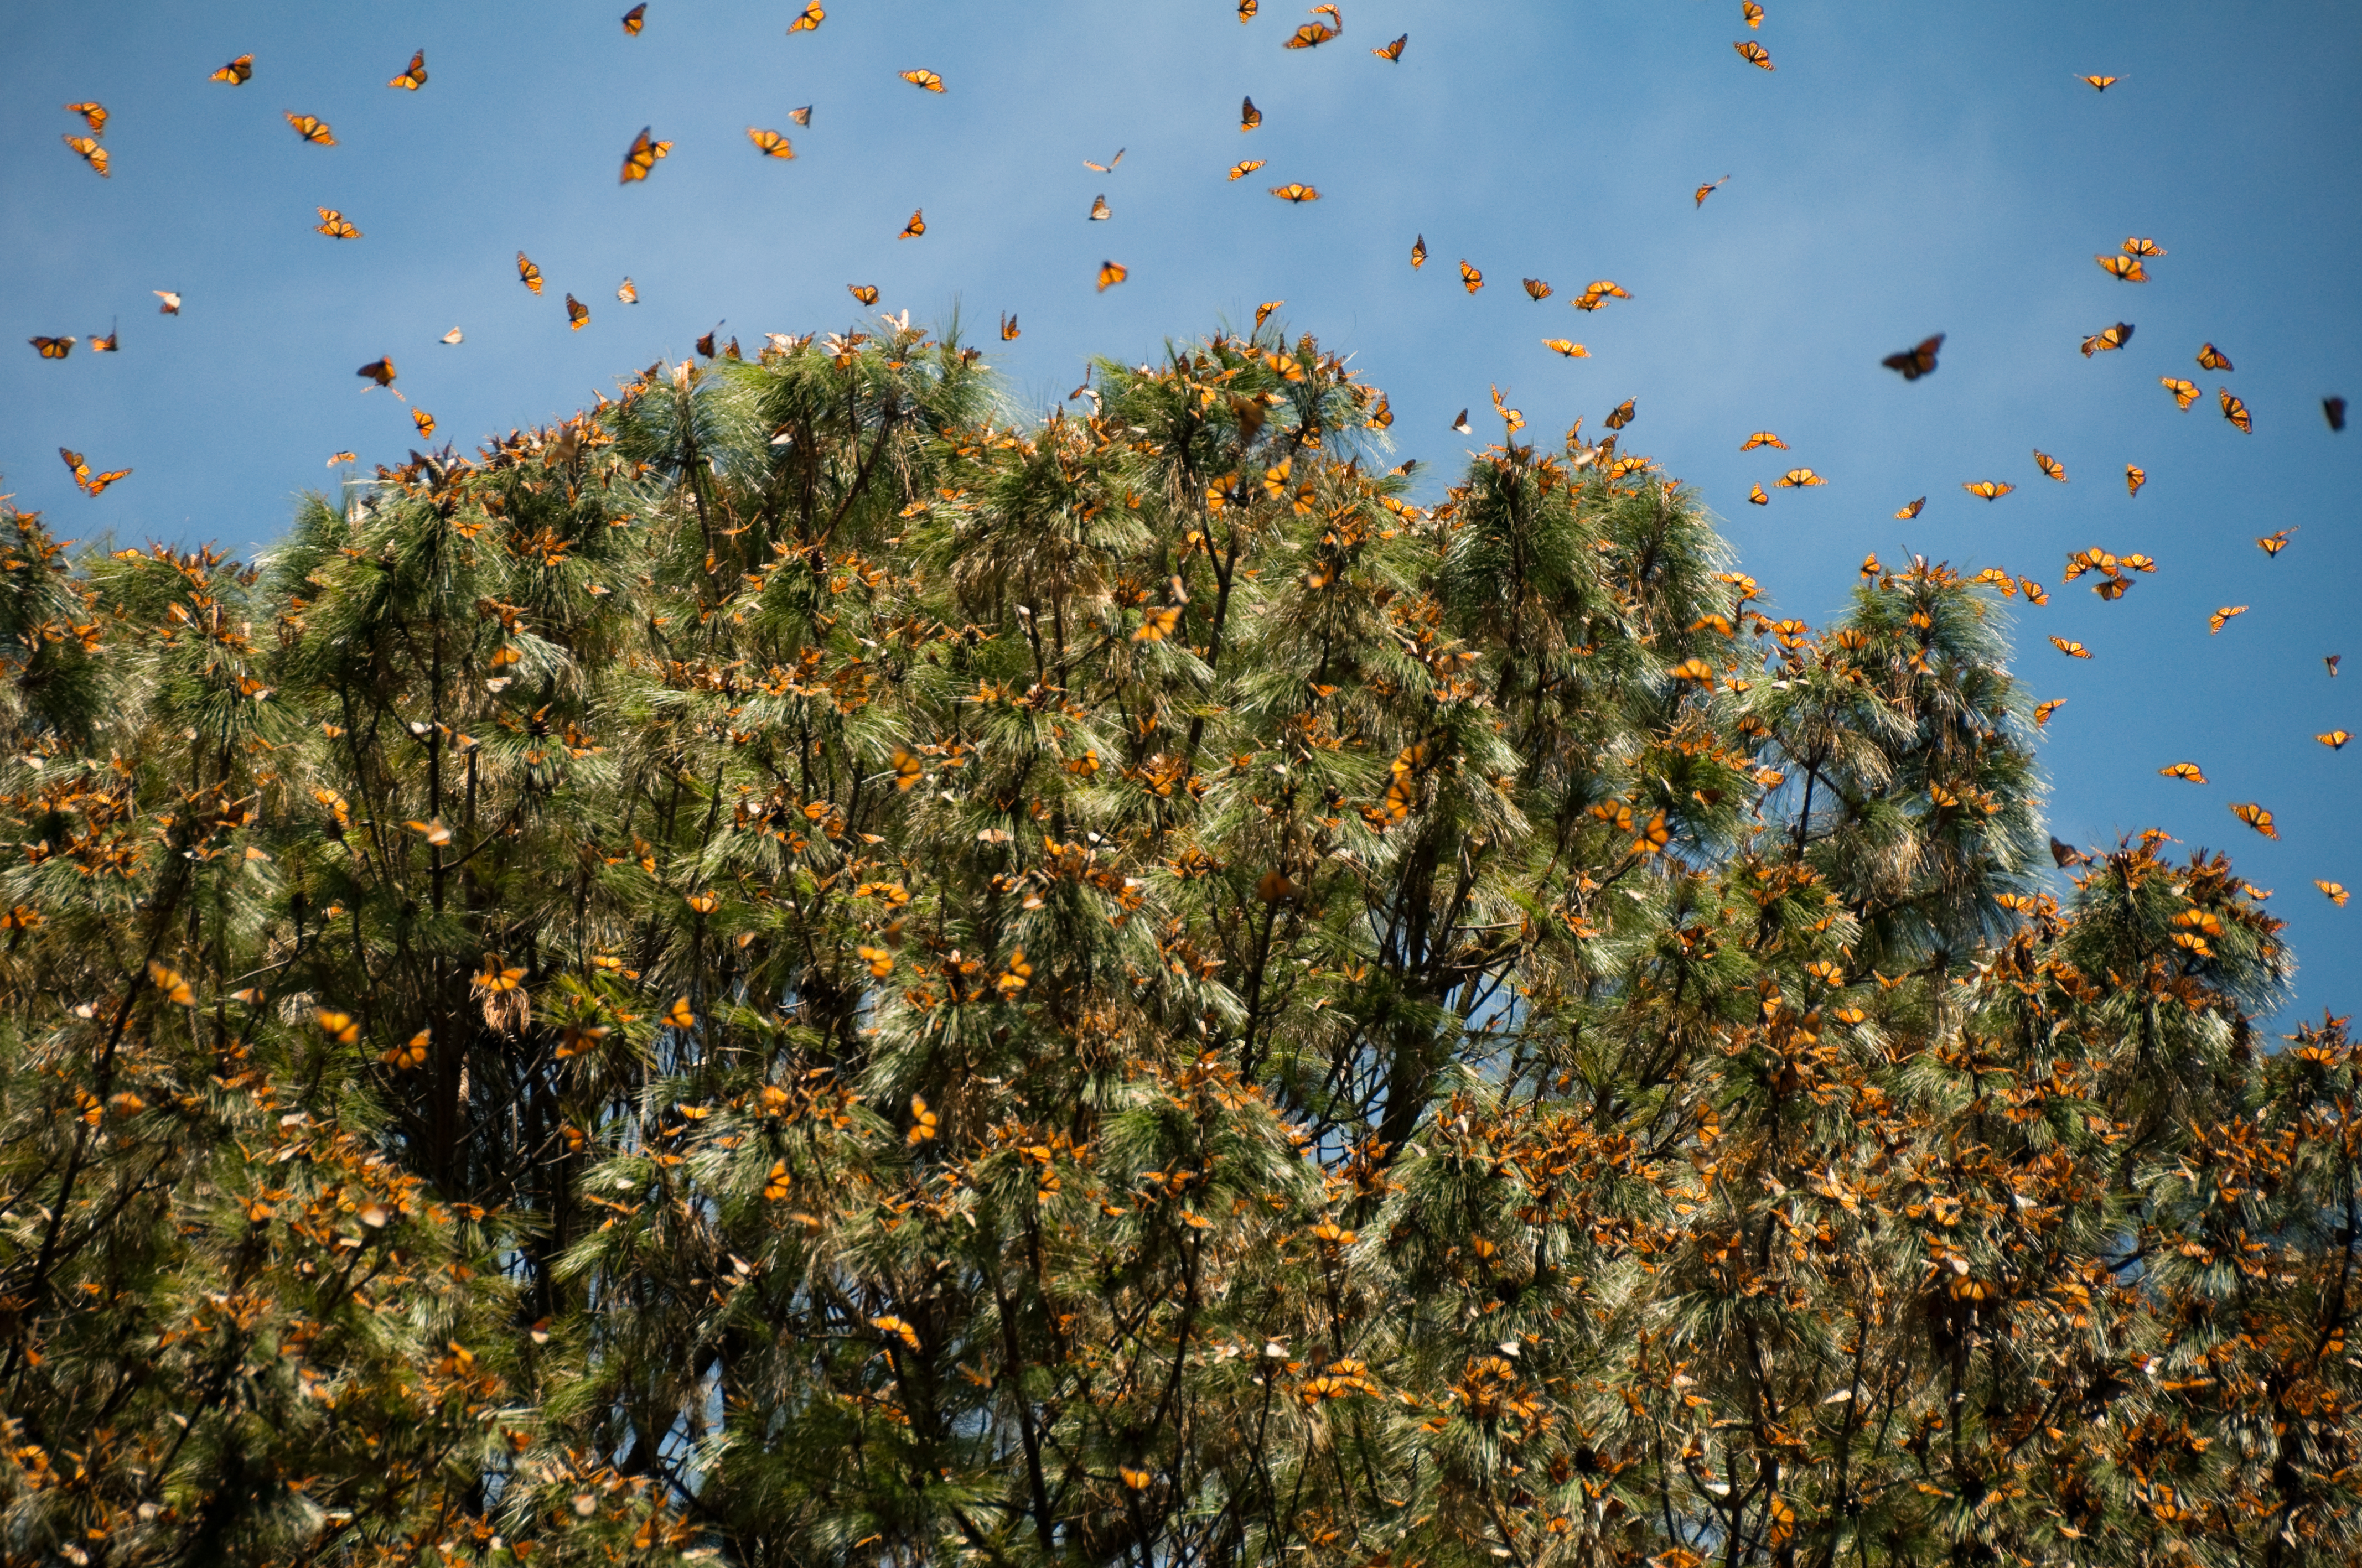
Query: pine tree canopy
<point>805,968</point>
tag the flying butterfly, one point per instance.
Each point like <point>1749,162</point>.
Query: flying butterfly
<point>379,370</point>
<point>1419,253</point>
<point>2273,544</point>
<point>802,116</point>
<point>1537,290</point>
<point>2336,890</point>
<point>1299,194</point>
<point>1754,53</point>
<point>1916,362</point>
<point>2334,410</point>
<point>916,227</point>
<point>2223,617</point>
<point>1241,171</point>
<point>1109,166</point>
<point>1763,438</point>
<point>2042,711</point>
<point>414,77</point>
<point>1008,329</point>
<point>2107,338</point>
<point>527,273</point>
<point>453,337</point>
<point>1992,490</point>
<point>2256,817</point>
<point>314,131</point>
<point>335,458</point>
<point>93,116</point>
<point>172,305</point>
<point>2185,770</point>
<point>1112,273</point>
<point>926,79</point>
<point>1262,312</point>
<point>1755,494</point>
<point>91,153</point>
<point>335,224</point>
<point>1247,9</point>
<point>236,72</point>
<point>1469,278</point>
<point>809,19</point>
<point>627,292</point>
<point>2331,660</point>
<point>1708,189</point>
<point>2123,269</point>
<point>1567,346</point>
<point>769,142</point>
<point>1914,509</point>
<point>1751,13</point>
<point>2234,411</point>
<point>105,345</point>
<point>2336,739</point>
<point>2071,649</point>
<point>54,347</point>
<point>1623,414</point>
<point>2135,477</point>
<point>1311,35</point>
<point>424,421</point>
<point>2136,246</point>
<point>1798,479</point>
<point>636,18</point>
<point>641,157</point>
<point>1249,115</point>
<point>865,292</point>
<point>2049,465</point>
<point>576,312</point>
<point>1100,211</point>
<point>2213,359</point>
<point>2100,84</point>
<point>2184,393</point>
<point>1393,51</point>
<point>1461,423</point>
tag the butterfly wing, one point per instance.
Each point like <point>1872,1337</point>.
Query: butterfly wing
<point>1249,115</point>
<point>769,142</point>
<point>576,313</point>
<point>636,18</point>
<point>1112,273</point>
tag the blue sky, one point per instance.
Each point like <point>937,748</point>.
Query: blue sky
<point>1906,170</point>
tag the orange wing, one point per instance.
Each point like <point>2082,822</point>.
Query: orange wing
<point>1799,478</point>
<point>576,312</point>
<point>54,347</point>
<point>2135,477</point>
<point>2139,246</point>
<point>2071,649</point>
<point>1992,490</point>
<point>91,153</point>
<point>2273,544</point>
<point>1567,346</point>
<point>1763,438</point>
<point>1754,53</point>
<point>770,142</point>
<point>335,224</point>
<point>2185,770</point>
<point>1249,115</point>
<point>424,421</point>
<point>2042,711</point>
<point>802,116</point>
<point>1918,361</point>
<point>1008,329</point>
<point>235,72</point>
<point>2223,617</point>
<point>1469,278</point>
<point>636,18</point>
<point>2184,393</point>
<point>1112,273</point>
<point>2213,359</point>
<point>1241,171</point>
<point>2336,739</point>
<point>2108,338</point>
<point>2256,817</point>
<point>1709,188</point>
<point>1311,35</point>
<point>414,77</point>
<point>96,483</point>
<point>1755,494</point>
<point>2234,411</point>
<point>809,19</point>
<point>527,273</point>
<point>1393,51</point>
<point>1419,253</point>
<point>642,155</point>
<point>1299,194</point>
<point>2049,465</point>
<point>627,292</point>
<point>2126,269</point>
<point>312,130</point>
<point>1751,12</point>
<point>915,227</point>
<point>105,345</point>
<point>93,116</point>
<point>926,79</point>
<point>379,370</point>
<point>2102,84</point>
<point>1537,290</point>
<point>865,292</point>
<point>1623,414</point>
<point>1914,509</point>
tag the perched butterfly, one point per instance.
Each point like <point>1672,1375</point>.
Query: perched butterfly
<point>1299,194</point>
<point>54,347</point>
<point>2234,411</point>
<point>2050,464</point>
<point>2188,770</point>
<point>2042,711</point>
<point>2126,269</point>
<point>576,312</point>
<point>424,421</point>
<point>2256,817</point>
<point>93,116</point>
<point>1622,413</point>
<point>1419,253</point>
<point>2107,338</point>
<point>2102,84</point>
<point>1709,188</point>
<point>769,142</point>
<point>529,274</point>
<point>1751,12</point>
<point>1914,509</point>
<point>2071,649</point>
<point>2184,393</point>
<point>2273,544</point>
<point>1567,346</point>
<point>1249,115</point>
<point>335,458</point>
<point>809,19</point>
<point>378,371</point>
<point>636,18</point>
<point>454,336</point>
<point>2223,617</point>
<point>172,305</point>
<point>627,292</point>
<point>1460,423</point>
<point>865,292</point>
<point>1537,290</point>
<point>1393,51</point>
<point>2336,891</point>
<point>2135,477</point>
<point>1469,278</point>
<point>1008,329</point>
<point>1916,362</point>
<point>2334,410</point>
<point>334,225</point>
<point>1992,490</point>
<point>312,130</point>
<point>1798,479</point>
<point>1241,171</point>
<point>802,116</point>
<point>926,79</point>
<point>1110,274</point>
<point>1100,211</point>
<point>414,77</point>
<point>235,72</point>
<point>1754,53</point>
<point>641,157</point>
<point>105,345</point>
<point>2336,739</point>
<point>91,153</point>
<point>2213,359</point>
<point>915,227</point>
<point>1763,438</point>
<point>1755,493</point>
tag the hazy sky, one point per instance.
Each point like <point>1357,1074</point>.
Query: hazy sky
<point>1907,169</point>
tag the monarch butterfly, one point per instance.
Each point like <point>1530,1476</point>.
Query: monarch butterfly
<point>926,79</point>
<point>1262,312</point>
<point>1247,9</point>
<point>1008,329</point>
<point>2184,393</point>
<point>1754,53</point>
<point>641,157</point>
<point>2336,739</point>
<point>1709,188</point>
<point>915,227</point>
<point>1299,194</point>
<point>678,1015</point>
<point>2336,891</point>
<point>1241,171</point>
<point>705,348</point>
<point>105,345</point>
<point>2273,544</point>
<point>1393,51</point>
<point>2234,411</point>
<point>2102,84</point>
<point>424,421</point>
<point>1697,671</point>
<point>312,130</point>
<point>334,225</point>
<point>2334,410</point>
<point>627,292</point>
<point>93,154</point>
<point>172,305</point>
<point>1461,423</point>
<point>1110,274</point>
<point>2071,649</point>
<point>1799,478</point>
<point>1916,362</point>
<point>2124,268</point>
<point>529,274</point>
<point>1913,510</point>
<point>865,292</point>
<point>1537,290</point>
<point>335,458</point>
<point>1755,494</point>
<point>576,312</point>
<point>169,982</point>
<point>1751,12</point>
<point>1155,625</point>
<point>1621,415</point>
<point>1573,350</point>
<point>54,347</point>
<point>379,370</point>
<point>1249,115</point>
<point>2331,660</point>
<point>809,19</point>
<point>2139,246</point>
<point>1652,837</point>
<point>412,79</point>
<point>802,116</point>
<point>2256,817</point>
<point>235,72</point>
<point>2050,464</point>
<point>1100,211</point>
<point>2115,336</point>
<point>636,18</point>
<point>1763,438</point>
<point>1311,35</point>
<point>2213,359</point>
<point>1606,286</point>
<point>2223,617</point>
<point>1469,278</point>
<point>94,115</point>
<point>2135,477</point>
<point>1419,253</point>
<point>2042,711</point>
<point>1992,490</point>
<point>2033,590</point>
<point>2188,770</point>
<point>769,142</point>
<point>453,337</point>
